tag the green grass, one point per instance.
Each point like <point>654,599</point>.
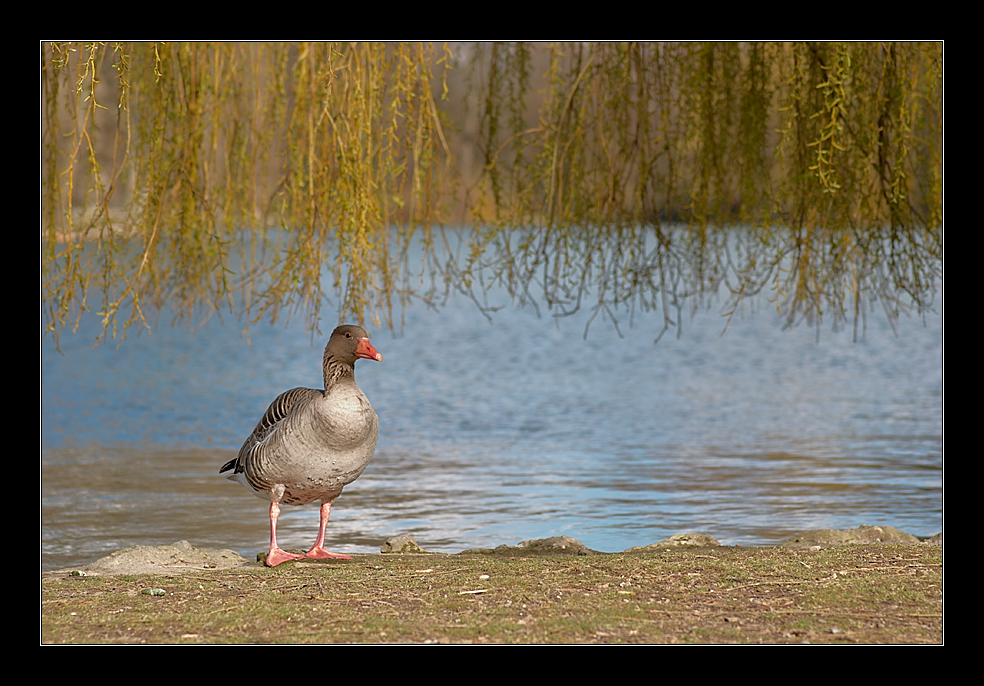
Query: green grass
<point>854,594</point>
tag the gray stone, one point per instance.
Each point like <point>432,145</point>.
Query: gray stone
<point>679,541</point>
<point>404,543</point>
<point>177,557</point>
<point>828,538</point>
<point>557,545</point>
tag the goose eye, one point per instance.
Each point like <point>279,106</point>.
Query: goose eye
<point>348,335</point>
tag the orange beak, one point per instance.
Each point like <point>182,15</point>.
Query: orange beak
<point>365,350</point>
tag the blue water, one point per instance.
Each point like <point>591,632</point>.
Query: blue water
<point>493,434</point>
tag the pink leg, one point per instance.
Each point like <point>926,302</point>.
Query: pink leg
<point>318,551</point>
<point>276,555</point>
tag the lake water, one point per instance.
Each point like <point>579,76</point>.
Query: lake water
<point>495,434</point>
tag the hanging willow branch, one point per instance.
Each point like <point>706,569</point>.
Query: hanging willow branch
<point>267,179</point>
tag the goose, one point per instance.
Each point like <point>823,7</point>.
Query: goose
<point>310,444</point>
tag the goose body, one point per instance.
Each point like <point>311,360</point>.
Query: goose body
<point>310,444</point>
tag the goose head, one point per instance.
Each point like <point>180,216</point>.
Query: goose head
<point>348,343</point>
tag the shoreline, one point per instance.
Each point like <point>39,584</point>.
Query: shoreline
<point>183,556</point>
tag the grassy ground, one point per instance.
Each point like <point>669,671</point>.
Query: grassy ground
<point>851,594</point>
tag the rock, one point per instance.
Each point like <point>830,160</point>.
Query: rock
<point>404,543</point>
<point>177,557</point>
<point>828,538</point>
<point>558,545</point>
<point>678,541</point>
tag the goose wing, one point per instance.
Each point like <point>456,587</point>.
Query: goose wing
<point>279,409</point>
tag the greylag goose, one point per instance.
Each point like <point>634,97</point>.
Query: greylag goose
<point>310,444</point>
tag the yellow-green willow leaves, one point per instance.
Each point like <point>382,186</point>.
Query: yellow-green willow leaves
<point>268,179</point>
